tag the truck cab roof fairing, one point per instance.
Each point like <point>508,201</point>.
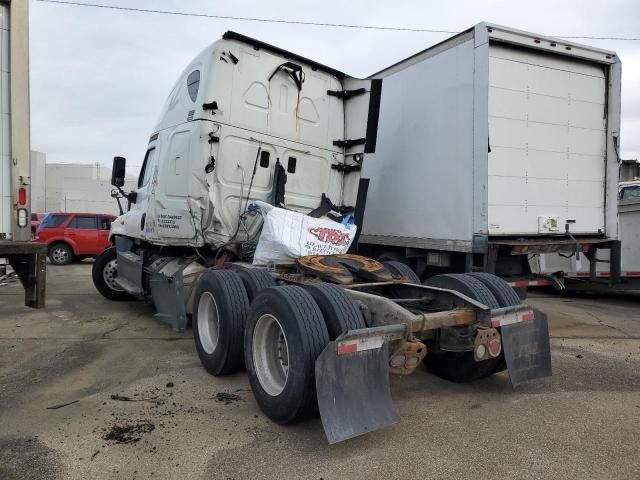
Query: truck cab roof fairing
<point>229,35</point>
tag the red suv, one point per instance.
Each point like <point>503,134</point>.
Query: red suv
<point>74,236</point>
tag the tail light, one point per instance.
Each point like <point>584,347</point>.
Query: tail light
<point>22,196</point>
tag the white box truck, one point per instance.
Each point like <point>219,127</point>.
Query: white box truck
<point>27,258</point>
<point>247,122</point>
<point>495,145</point>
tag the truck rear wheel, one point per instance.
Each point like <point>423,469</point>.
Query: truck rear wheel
<point>285,334</point>
<point>255,281</point>
<point>402,270</point>
<point>340,312</point>
<point>219,311</point>
<point>461,366</point>
<point>505,295</point>
<point>104,273</point>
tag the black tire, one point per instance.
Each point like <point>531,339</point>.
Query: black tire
<point>220,308</point>
<point>462,367</point>
<point>60,254</point>
<point>300,321</point>
<point>255,281</point>
<point>103,273</point>
<point>392,256</point>
<point>402,270</point>
<point>505,295</point>
<point>340,312</point>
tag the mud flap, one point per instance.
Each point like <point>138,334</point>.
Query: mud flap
<point>527,350</point>
<point>168,300</point>
<point>353,392</point>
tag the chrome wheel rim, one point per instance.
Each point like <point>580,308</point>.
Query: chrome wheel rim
<point>109,274</point>
<point>60,255</point>
<point>270,354</point>
<point>208,322</point>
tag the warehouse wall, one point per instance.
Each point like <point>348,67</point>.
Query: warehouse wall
<point>72,187</point>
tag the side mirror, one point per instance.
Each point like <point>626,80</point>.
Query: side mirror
<point>118,171</point>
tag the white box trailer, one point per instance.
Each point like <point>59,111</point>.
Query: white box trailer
<point>496,143</point>
<point>27,258</point>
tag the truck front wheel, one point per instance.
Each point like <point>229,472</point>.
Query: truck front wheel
<point>104,273</point>
<point>285,334</point>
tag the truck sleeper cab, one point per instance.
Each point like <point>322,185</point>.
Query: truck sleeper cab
<point>248,121</point>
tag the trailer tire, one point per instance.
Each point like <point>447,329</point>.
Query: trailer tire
<point>60,254</point>
<point>402,270</point>
<point>284,323</point>
<point>505,295</point>
<point>104,272</point>
<point>462,367</point>
<point>219,311</point>
<point>255,281</point>
<point>340,312</point>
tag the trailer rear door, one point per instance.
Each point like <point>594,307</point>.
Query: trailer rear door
<point>547,131</point>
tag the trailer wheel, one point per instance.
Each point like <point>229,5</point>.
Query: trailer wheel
<point>255,280</point>
<point>219,310</point>
<point>402,270</point>
<point>505,295</point>
<point>340,312</point>
<point>60,254</point>
<point>462,366</point>
<point>285,334</point>
<point>104,273</point>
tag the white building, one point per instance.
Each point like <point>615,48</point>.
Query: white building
<point>72,187</point>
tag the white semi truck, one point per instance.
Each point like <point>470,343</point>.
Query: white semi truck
<point>496,146</point>
<point>27,258</point>
<point>248,122</point>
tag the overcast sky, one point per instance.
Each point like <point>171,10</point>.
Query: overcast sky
<point>99,77</point>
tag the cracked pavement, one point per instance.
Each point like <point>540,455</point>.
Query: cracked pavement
<point>584,422</point>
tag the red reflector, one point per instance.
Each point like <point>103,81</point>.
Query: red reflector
<point>344,348</point>
<point>22,196</point>
<point>528,317</point>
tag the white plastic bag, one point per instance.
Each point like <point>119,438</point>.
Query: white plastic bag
<point>287,236</point>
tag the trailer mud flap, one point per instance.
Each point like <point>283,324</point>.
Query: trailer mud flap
<point>353,391</point>
<point>527,350</point>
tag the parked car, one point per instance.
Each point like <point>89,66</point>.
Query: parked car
<point>74,236</point>
<point>36,220</point>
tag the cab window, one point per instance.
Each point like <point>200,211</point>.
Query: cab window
<point>147,167</point>
<point>193,84</point>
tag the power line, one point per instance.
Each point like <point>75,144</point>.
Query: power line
<point>300,22</point>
